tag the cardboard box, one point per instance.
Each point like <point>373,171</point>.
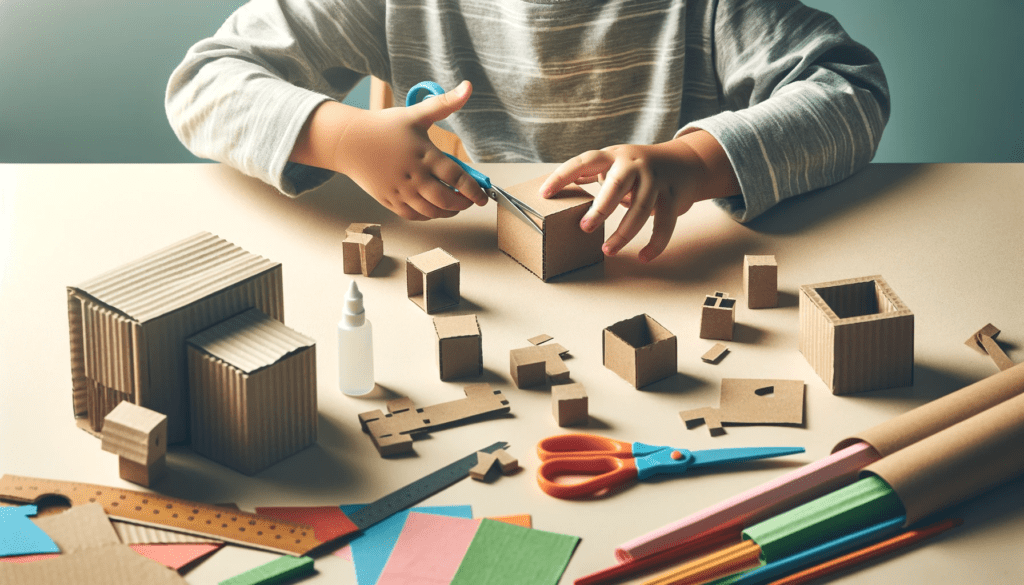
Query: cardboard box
<point>761,282</point>
<point>128,326</point>
<point>640,350</point>
<point>362,249</point>
<point>253,387</point>
<point>432,280</point>
<point>561,246</point>
<point>459,347</point>
<point>857,334</point>
<point>717,317</point>
<point>569,404</point>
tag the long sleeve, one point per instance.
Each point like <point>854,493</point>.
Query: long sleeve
<point>803,105</point>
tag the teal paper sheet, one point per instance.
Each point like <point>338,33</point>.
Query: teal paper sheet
<point>503,554</point>
<point>20,536</point>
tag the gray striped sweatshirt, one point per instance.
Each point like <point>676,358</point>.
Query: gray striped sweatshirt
<point>796,104</point>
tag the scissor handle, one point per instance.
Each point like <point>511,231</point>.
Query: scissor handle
<point>582,445</point>
<point>611,472</point>
<point>422,91</point>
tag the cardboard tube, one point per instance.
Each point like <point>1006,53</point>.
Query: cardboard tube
<point>942,413</point>
<point>959,462</point>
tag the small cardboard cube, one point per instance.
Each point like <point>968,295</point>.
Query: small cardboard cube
<point>561,246</point>
<point>138,473</point>
<point>362,249</point>
<point>857,334</point>
<point>253,388</point>
<point>432,280</point>
<point>717,317</point>
<point>569,405</point>
<point>135,433</point>
<point>640,350</point>
<point>459,347</point>
<point>761,282</point>
<point>527,366</point>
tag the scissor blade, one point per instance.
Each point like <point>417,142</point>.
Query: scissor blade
<point>724,456</point>
<point>515,206</point>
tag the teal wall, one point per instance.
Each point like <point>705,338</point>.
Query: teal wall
<point>83,80</point>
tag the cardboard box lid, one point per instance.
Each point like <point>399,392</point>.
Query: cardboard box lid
<point>432,260</point>
<point>768,260</point>
<point>250,341</point>
<point>568,198</point>
<point>175,276</point>
<point>456,326</point>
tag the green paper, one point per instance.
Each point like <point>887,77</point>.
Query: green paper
<point>504,554</point>
<point>866,502</point>
<point>276,571</point>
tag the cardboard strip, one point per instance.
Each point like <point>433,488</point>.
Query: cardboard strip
<point>1002,361</point>
<point>130,534</point>
<point>713,355</point>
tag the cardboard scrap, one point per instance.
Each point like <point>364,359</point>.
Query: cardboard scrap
<point>538,557</point>
<point>539,339</point>
<point>19,536</point>
<point>751,401</point>
<point>489,465</point>
<point>276,571</point>
<point>715,354</point>
<point>984,341</point>
<point>391,432</point>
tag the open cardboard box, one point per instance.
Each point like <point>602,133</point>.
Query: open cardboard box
<point>640,350</point>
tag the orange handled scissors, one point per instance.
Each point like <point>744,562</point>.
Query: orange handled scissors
<point>609,463</point>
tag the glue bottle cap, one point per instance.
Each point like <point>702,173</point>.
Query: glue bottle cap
<point>355,315</point>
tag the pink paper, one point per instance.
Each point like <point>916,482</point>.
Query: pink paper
<point>757,503</point>
<point>176,555</point>
<point>429,550</point>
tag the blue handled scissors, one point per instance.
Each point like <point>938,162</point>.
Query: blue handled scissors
<point>617,463</point>
<point>425,89</point>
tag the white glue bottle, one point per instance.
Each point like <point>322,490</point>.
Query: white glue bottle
<point>355,346</point>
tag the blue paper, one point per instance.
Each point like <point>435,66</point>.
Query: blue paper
<point>371,551</point>
<point>20,536</point>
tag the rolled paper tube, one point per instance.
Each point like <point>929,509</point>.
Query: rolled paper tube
<point>741,556</point>
<point>957,463</point>
<point>941,413</point>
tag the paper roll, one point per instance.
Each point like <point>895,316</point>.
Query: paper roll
<point>942,413</point>
<point>959,462</point>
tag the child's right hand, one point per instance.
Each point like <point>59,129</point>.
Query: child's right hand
<point>388,154</point>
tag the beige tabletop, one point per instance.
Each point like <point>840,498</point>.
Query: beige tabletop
<point>946,237</point>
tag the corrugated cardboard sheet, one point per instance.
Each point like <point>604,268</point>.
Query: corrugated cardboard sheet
<point>128,326</point>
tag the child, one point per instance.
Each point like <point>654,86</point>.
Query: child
<point>669,101</point>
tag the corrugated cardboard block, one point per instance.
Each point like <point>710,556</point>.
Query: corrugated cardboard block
<point>761,282</point>
<point>857,334</point>
<point>135,433</point>
<point>144,474</point>
<point>391,432</point>
<point>751,401</point>
<point>459,346</point>
<point>128,326</point>
<point>537,364</point>
<point>432,280</point>
<point>253,386</point>
<point>569,404</point>
<point>561,246</point>
<point>640,350</point>
<point>362,249</point>
<point>717,317</point>
<point>715,353</point>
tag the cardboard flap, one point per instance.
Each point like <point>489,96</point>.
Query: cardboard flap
<point>568,198</point>
<point>432,260</point>
<point>456,326</point>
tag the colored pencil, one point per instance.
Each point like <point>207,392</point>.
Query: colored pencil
<point>722,563</point>
<point>901,541</point>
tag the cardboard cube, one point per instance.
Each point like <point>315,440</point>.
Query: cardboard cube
<point>128,326</point>
<point>138,436</point>
<point>761,282</point>
<point>717,317</point>
<point>857,334</point>
<point>253,390</point>
<point>459,347</point>
<point>569,405</point>
<point>537,365</point>
<point>432,280</point>
<point>362,249</point>
<point>640,350</point>
<point>561,246</point>
<point>144,475</point>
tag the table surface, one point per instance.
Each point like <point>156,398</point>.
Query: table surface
<point>946,237</point>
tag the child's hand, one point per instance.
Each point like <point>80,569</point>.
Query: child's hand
<point>663,180</point>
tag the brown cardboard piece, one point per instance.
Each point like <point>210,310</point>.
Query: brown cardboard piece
<point>537,365</point>
<point>486,468</point>
<point>459,347</point>
<point>751,401</point>
<point>717,317</point>
<point>857,334</point>
<point>569,404</point>
<point>253,387</point>
<point>713,355</point>
<point>640,350</point>
<point>128,326</point>
<point>539,339</point>
<point>984,341</point>
<point>135,433</point>
<point>432,280</point>
<point>561,246</point>
<point>391,432</point>
<point>761,282</point>
<point>142,474</point>
<point>508,463</point>
<point>362,249</point>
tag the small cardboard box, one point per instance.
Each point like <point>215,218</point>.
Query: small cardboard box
<point>562,246</point>
<point>459,347</point>
<point>128,326</point>
<point>569,404</point>
<point>640,350</point>
<point>362,249</point>
<point>432,280</point>
<point>717,317</point>
<point>857,334</point>
<point>761,282</point>
<point>253,388</point>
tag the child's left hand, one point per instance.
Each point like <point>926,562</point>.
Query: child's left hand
<point>663,180</point>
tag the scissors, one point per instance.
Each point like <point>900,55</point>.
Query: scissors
<point>425,89</point>
<point>617,463</point>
